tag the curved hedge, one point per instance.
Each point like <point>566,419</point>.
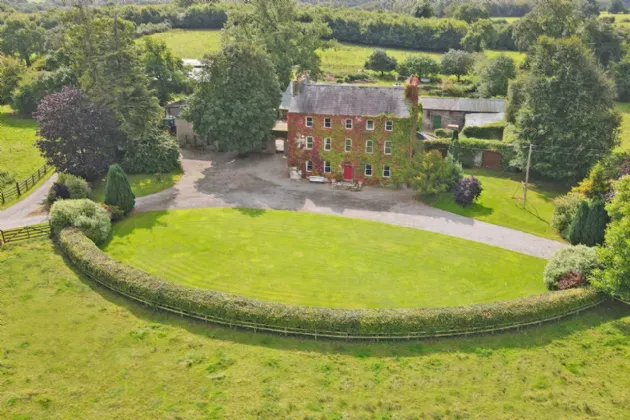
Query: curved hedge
<point>255,314</point>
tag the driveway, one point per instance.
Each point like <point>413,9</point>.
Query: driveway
<point>261,181</point>
<point>28,211</point>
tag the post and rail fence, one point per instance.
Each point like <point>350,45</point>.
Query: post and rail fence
<point>19,188</point>
<point>24,233</point>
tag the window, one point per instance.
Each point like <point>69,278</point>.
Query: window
<point>389,125</point>
<point>368,169</point>
<point>326,167</point>
<point>348,145</point>
<point>327,143</point>
<point>309,121</point>
<point>309,143</point>
<point>388,148</point>
<point>327,123</point>
<point>348,124</point>
<point>309,166</point>
<point>369,125</point>
<point>369,146</point>
<point>386,172</point>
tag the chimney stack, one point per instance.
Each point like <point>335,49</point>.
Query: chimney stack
<point>295,87</point>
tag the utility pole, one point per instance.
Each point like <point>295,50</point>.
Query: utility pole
<point>529,162</point>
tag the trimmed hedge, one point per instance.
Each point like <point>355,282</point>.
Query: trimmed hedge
<point>492,131</point>
<point>468,147</point>
<point>342,323</point>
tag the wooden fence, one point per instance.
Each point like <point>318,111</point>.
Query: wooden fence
<point>14,192</point>
<point>24,233</point>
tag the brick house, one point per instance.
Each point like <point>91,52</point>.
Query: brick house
<point>348,132</point>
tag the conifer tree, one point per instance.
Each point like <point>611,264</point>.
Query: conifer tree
<point>578,225</point>
<point>117,189</point>
<point>595,225</point>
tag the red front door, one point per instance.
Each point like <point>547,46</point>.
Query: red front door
<point>347,173</point>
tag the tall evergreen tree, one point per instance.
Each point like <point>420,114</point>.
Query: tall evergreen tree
<point>595,225</point>
<point>117,189</point>
<point>577,229</point>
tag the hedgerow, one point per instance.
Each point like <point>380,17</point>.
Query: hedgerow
<point>467,148</point>
<point>359,323</point>
<point>492,131</point>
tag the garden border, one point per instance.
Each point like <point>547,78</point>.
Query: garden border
<point>363,324</point>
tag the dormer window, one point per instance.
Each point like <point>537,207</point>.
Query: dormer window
<point>369,125</point>
<point>309,121</point>
<point>327,123</point>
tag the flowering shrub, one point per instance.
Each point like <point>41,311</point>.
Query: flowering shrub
<point>571,280</point>
<point>467,191</point>
<point>568,262</point>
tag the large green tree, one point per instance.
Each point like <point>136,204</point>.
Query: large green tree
<point>380,61</point>
<point>469,12</point>
<point>11,72</point>
<point>22,38</point>
<point>235,100</point>
<point>553,18</point>
<point>604,39</point>
<point>481,35</point>
<point>457,62</point>
<point>418,65</point>
<point>166,72</point>
<point>567,111</point>
<point>276,27</point>
<point>495,76</point>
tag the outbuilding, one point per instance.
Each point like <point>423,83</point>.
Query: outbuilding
<point>444,112</point>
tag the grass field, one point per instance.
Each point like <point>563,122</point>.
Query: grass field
<point>318,260</point>
<point>18,153</point>
<point>69,349</point>
<point>501,203</point>
<point>340,60</point>
<point>141,184</point>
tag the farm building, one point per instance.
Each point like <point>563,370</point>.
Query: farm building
<point>451,112</point>
<point>348,132</point>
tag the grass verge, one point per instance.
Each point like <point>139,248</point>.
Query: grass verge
<point>18,153</point>
<point>69,349</point>
<point>141,184</point>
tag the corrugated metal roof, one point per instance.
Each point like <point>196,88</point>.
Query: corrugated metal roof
<point>346,99</point>
<point>476,120</point>
<point>463,104</point>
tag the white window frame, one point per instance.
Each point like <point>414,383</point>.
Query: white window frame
<point>385,147</point>
<point>371,143</point>
<point>345,147</point>
<point>389,123</point>
<point>327,144</point>
<point>348,121</point>
<point>312,142</point>
<point>329,167</point>
<point>367,123</point>
<point>389,170</point>
<point>307,164</point>
<point>365,171</point>
<point>308,121</point>
<point>329,121</point>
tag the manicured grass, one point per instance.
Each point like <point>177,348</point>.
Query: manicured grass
<point>190,43</point>
<point>70,349</point>
<point>141,184</point>
<point>18,153</point>
<point>624,108</point>
<point>501,203</point>
<point>317,260</point>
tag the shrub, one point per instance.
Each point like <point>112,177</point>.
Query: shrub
<point>354,77</point>
<point>157,153</point>
<point>68,186</point>
<point>595,225</point>
<point>118,191</point>
<point>115,212</point>
<point>444,133</point>
<point>578,259</point>
<point>492,131</point>
<point>565,209</point>
<point>577,229</point>
<point>58,191</point>
<point>84,215</point>
<point>571,280</point>
<point>251,313</point>
<point>436,174</point>
<point>467,191</point>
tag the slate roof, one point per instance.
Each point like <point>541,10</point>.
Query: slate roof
<point>463,104</point>
<point>346,99</point>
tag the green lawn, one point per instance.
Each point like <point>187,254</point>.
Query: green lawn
<point>18,153</point>
<point>70,349</point>
<point>141,184</point>
<point>318,260</point>
<point>501,203</point>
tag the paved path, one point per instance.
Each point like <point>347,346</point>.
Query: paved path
<point>28,211</point>
<point>261,181</point>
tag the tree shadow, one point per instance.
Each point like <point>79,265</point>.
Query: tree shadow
<point>251,212</point>
<point>144,220</point>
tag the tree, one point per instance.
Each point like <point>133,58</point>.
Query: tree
<point>614,256</point>
<point>553,18</point>
<point>422,9</point>
<point>118,191</point>
<point>21,38</point>
<point>11,72</point>
<point>380,61</point>
<point>166,72</point>
<point>616,6</point>
<point>621,76</point>
<point>495,76</point>
<point>236,99</point>
<point>577,229</point>
<point>418,65</point>
<point>603,39</point>
<point>588,8</point>
<point>595,225</point>
<point>567,110</point>
<point>33,87</point>
<point>469,12</point>
<point>275,25</point>
<point>481,35</point>
<point>436,174</point>
<point>77,135</point>
<point>457,62</point>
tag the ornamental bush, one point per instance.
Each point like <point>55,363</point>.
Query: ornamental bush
<point>436,174</point>
<point>118,191</point>
<point>69,186</point>
<point>84,215</point>
<point>595,225</point>
<point>467,190</point>
<point>579,260</point>
<point>577,229</point>
<point>444,133</point>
